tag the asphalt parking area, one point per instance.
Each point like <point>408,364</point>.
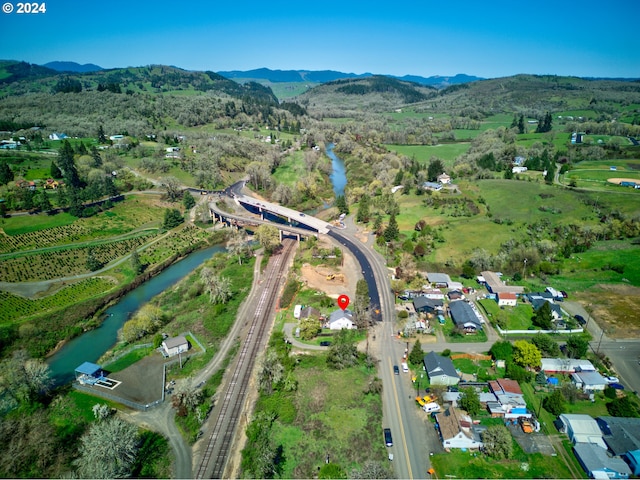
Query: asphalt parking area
<point>532,442</point>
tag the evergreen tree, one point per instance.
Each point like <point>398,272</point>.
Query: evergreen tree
<point>436,167</point>
<point>188,201</point>
<point>391,232</point>
<point>97,158</point>
<point>377,224</point>
<point>521,128</point>
<point>54,171</point>
<point>470,401</point>
<point>6,174</point>
<point>172,218</point>
<point>42,201</point>
<point>363,209</point>
<point>102,138</point>
<point>542,317</point>
<point>68,166</point>
<point>416,356</point>
<point>341,204</point>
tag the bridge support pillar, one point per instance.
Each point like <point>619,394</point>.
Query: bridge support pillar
<point>280,232</point>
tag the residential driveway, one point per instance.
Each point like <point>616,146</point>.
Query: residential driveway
<point>288,333</point>
<point>532,442</point>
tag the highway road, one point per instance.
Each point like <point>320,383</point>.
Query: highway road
<point>414,437</point>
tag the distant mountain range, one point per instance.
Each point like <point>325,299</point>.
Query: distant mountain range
<point>324,76</point>
<point>73,67</point>
<point>289,76</point>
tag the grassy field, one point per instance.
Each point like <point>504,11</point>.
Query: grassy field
<point>448,152</point>
<point>333,417</point>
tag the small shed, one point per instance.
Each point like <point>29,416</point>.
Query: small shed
<point>89,373</point>
<point>174,346</point>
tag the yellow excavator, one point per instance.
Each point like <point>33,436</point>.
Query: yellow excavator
<point>335,276</point>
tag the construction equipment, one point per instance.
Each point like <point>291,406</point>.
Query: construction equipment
<point>335,276</point>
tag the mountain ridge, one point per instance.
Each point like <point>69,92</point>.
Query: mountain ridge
<point>324,76</point>
<point>64,66</point>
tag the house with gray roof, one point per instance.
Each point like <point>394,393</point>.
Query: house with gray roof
<point>598,464</point>
<point>440,370</point>
<point>440,280</point>
<point>340,319</point>
<point>621,434</point>
<point>582,428</point>
<point>464,317</point>
<point>427,305</point>
<point>589,381</point>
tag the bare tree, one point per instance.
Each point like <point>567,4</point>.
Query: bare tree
<point>172,187</point>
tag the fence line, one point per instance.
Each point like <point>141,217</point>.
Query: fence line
<point>128,351</point>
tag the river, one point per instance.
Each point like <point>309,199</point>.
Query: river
<point>339,176</point>
<point>90,346</point>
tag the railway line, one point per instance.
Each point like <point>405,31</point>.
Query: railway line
<point>229,408</point>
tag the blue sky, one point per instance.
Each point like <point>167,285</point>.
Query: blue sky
<point>494,38</point>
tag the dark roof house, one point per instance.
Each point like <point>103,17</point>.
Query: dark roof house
<point>621,434</point>
<point>429,305</point>
<point>440,370</point>
<point>464,316</point>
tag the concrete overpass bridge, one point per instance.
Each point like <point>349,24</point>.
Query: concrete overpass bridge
<point>268,216</point>
<point>278,214</point>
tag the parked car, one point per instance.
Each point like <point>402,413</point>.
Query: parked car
<point>388,441</point>
<point>396,370</point>
<point>325,343</point>
<point>612,379</point>
<point>580,319</point>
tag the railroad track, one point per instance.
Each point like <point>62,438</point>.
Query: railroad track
<point>216,453</point>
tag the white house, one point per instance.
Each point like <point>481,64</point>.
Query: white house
<point>518,169</point>
<point>457,430</point>
<point>174,346</point>
<point>582,428</point>
<point>444,179</point>
<point>566,365</point>
<point>509,299</point>
<point>341,319</point>
<point>589,381</point>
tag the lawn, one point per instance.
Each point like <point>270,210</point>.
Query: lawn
<point>517,318</point>
<point>459,464</point>
<point>128,359</point>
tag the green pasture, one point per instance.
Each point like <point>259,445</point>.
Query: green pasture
<point>291,170</point>
<point>448,152</point>
<point>587,114</point>
<point>20,224</point>
<point>585,270</point>
<point>557,140</point>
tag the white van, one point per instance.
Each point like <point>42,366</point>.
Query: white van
<point>431,407</point>
<point>405,367</point>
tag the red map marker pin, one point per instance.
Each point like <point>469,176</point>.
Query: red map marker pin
<point>343,302</point>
